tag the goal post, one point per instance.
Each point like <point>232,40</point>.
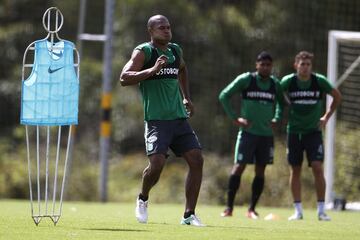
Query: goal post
<point>335,38</point>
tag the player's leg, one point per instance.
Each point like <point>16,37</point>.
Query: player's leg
<point>157,138</point>
<point>315,154</point>
<point>257,189</point>
<point>264,154</point>
<point>320,185</point>
<point>193,180</point>
<point>295,186</point>
<point>319,178</point>
<point>295,158</point>
<point>185,143</point>
<point>233,186</point>
<point>192,186</point>
<point>151,174</point>
<point>244,154</point>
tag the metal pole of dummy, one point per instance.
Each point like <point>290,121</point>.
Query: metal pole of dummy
<point>105,128</point>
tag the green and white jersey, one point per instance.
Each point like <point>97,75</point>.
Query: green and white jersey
<point>161,94</point>
<point>259,98</point>
<point>306,101</point>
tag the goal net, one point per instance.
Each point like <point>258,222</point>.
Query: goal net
<point>342,137</point>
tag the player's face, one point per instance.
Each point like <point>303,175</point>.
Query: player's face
<point>264,68</point>
<point>303,67</point>
<point>161,31</point>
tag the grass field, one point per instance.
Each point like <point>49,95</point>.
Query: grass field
<point>116,221</point>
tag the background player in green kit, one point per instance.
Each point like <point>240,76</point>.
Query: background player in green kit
<point>260,92</point>
<point>305,91</point>
<point>159,69</point>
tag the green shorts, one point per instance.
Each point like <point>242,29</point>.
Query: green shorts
<point>160,135</point>
<point>311,143</point>
<point>254,149</point>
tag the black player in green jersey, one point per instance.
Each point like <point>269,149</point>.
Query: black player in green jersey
<point>160,71</point>
<point>255,145</point>
<point>305,91</point>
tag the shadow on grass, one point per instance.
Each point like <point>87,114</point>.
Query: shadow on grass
<point>115,229</point>
<point>207,226</point>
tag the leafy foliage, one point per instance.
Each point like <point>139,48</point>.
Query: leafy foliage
<point>220,40</point>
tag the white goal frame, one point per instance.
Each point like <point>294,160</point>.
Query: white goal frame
<point>334,38</point>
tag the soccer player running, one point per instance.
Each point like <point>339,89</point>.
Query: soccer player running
<point>160,71</point>
<point>305,91</point>
<point>260,93</point>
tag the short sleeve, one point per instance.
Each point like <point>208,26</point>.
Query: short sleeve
<point>324,84</point>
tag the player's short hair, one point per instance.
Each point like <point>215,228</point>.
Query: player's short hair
<point>154,19</point>
<point>264,56</point>
<point>304,55</point>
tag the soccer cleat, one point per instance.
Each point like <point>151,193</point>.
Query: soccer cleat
<point>252,214</point>
<point>323,217</point>
<point>295,217</point>
<point>226,213</point>
<point>192,220</point>
<point>141,211</point>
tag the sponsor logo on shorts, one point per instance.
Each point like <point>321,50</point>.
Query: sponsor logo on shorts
<point>240,156</point>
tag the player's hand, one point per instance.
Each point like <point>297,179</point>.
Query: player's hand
<point>189,107</point>
<point>242,122</point>
<point>274,124</point>
<point>160,63</point>
<point>323,120</point>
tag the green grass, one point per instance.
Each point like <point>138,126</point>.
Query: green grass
<point>116,221</point>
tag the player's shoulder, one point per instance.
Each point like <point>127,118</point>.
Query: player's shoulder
<point>288,77</point>
<point>176,47</point>
<point>245,75</point>
<point>274,79</point>
<point>323,82</point>
<point>243,78</point>
<point>320,77</point>
<point>146,49</point>
<point>146,46</point>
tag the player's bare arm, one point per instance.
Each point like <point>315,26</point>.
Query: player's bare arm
<point>336,99</point>
<point>184,85</point>
<point>132,73</point>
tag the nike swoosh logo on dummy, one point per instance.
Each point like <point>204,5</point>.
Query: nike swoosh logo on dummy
<point>59,55</point>
<point>54,70</point>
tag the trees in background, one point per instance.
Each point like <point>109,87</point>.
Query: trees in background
<point>220,39</point>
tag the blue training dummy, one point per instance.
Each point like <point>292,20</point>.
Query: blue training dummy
<point>50,94</point>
